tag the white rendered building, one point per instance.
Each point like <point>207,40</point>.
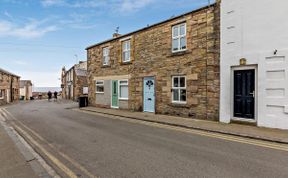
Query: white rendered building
<point>254,62</point>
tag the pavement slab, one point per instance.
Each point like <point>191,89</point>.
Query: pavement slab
<point>12,162</point>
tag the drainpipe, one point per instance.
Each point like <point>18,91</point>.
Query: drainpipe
<point>11,89</point>
<point>207,50</point>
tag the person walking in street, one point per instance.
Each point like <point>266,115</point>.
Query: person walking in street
<point>49,95</point>
<point>55,96</point>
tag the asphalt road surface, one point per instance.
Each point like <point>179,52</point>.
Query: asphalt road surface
<point>104,146</point>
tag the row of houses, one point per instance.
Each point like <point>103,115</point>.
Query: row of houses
<point>74,81</point>
<point>12,88</point>
<point>9,87</point>
<point>226,62</point>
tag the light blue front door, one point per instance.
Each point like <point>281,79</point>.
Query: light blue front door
<point>149,94</point>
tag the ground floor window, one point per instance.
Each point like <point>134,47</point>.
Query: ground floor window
<point>179,89</point>
<point>99,86</point>
<point>2,93</point>
<point>123,89</point>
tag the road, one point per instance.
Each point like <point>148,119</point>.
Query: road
<point>88,145</point>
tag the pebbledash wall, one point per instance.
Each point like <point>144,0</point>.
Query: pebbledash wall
<point>256,31</point>
<point>152,56</point>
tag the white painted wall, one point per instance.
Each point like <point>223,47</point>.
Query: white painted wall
<point>253,30</point>
<point>23,91</point>
<point>26,90</point>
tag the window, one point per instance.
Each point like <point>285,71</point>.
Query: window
<point>123,89</point>
<point>99,86</point>
<point>179,89</point>
<point>2,93</point>
<point>126,51</point>
<point>105,56</point>
<point>179,37</point>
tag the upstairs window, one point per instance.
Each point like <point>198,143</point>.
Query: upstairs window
<point>106,56</point>
<point>179,37</point>
<point>126,51</point>
<point>179,89</point>
<point>99,86</point>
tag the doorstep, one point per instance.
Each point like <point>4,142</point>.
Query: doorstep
<point>266,134</point>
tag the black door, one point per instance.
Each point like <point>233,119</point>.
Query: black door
<point>244,94</point>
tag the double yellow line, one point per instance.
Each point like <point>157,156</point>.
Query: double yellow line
<point>52,158</point>
<point>266,144</point>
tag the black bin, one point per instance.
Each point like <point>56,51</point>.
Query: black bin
<point>83,101</point>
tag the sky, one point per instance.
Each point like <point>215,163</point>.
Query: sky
<point>39,37</point>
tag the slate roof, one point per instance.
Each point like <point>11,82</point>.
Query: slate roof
<point>25,83</point>
<point>9,73</point>
<point>81,72</point>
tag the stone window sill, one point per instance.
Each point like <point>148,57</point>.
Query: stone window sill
<point>123,99</point>
<point>180,53</point>
<point>105,66</point>
<point>179,105</point>
<point>126,63</point>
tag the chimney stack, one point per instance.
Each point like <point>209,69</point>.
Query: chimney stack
<point>116,35</point>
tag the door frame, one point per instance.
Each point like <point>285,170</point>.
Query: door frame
<point>154,78</point>
<point>114,107</point>
<point>237,68</point>
<point>7,95</point>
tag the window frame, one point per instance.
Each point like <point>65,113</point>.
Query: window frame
<point>126,50</point>
<point>99,92</point>
<point>178,38</point>
<point>2,94</point>
<point>119,89</point>
<point>179,89</point>
<point>105,56</point>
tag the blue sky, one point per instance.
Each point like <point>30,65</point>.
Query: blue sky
<point>39,37</point>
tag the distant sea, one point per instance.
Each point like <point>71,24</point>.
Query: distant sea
<point>46,89</point>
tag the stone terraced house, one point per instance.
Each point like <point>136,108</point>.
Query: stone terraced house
<point>74,80</point>
<point>9,87</point>
<point>171,67</point>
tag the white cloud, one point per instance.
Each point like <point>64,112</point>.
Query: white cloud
<point>131,5</point>
<point>126,6</point>
<point>42,79</point>
<point>75,4</point>
<point>31,29</point>
<point>21,63</point>
<point>47,3</point>
<point>7,14</point>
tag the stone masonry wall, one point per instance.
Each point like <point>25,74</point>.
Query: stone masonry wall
<point>152,56</point>
<point>5,84</point>
<point>79,83</point>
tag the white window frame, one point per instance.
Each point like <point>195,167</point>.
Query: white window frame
<point>99,92</point>
<point>119,89</point>
<point>106,58</point>
<point>179,89</point>
<point>2,94</point>
<point>126,50</point>
<point>178,38</point>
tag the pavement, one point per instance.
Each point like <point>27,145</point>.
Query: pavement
<point>266,134</point>
<point>17,158</point>
<point>12,162</point>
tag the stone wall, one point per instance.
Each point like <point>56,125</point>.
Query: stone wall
<point>79,83</point>
<point>5,85</point>
<point>152,56</point>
